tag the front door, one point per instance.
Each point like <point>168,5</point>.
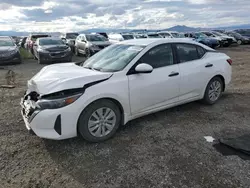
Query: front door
<point>159,88</point>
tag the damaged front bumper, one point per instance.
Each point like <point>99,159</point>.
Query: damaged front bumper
<point>46,123</point>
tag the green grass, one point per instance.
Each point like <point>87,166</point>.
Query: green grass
<point>25,54</point>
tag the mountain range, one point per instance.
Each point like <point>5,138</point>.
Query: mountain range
<point>179,28</point>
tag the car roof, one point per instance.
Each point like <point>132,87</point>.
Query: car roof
<point>5,38</point>
<point>148,41</point>
<point>46,38</point>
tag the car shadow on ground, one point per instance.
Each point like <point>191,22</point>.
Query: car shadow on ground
<point>95,162</point>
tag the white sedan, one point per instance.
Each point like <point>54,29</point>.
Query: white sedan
<point>120,83</point>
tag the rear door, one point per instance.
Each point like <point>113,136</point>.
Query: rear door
<point>195,70</point>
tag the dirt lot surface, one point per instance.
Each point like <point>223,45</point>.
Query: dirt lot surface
<point>166,149</point>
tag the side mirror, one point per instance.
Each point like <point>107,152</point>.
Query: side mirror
<point>143,68</point>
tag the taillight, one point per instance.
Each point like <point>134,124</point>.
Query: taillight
<point>229,61</point>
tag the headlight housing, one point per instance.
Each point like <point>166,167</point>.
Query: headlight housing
<point>42,50</point>
<point>93,46</point>
<point>13,51</point>
<point>57,103</point>
<point>68,49</point>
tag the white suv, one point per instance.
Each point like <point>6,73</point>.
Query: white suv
<point>120,83</point>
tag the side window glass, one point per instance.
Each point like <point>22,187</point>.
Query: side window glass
<point>186,52</point>
<point>201,51</point>
<point>159,56</point>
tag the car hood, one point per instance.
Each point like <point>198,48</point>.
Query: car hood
<point>7,48</point>
<point>63,76</point>
<point>55,47</point>
<point>101,43</point>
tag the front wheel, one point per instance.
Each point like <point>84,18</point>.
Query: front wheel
<point>239,42</point>
<point>76,51</point>
<point>99,121</point>
<point>213,91</point>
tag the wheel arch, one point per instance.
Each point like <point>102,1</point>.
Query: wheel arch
<point>223,81</point>
<point>115,101</point>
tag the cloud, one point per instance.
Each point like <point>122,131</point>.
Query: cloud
<point>76,15</point>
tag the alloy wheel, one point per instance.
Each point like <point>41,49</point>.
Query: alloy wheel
<point>214,91</point>
<point>101,122</point>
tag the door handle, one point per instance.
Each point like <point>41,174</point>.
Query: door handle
<point>209,65</point>
<point>173,74</point>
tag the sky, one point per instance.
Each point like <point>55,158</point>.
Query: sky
<point>78,15</point>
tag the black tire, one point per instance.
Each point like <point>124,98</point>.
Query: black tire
<point>82,124</point>
<point>87,53</point>
<point>226,45</point>
<point>40,61</point>
<point>206,99</point>
<point>76,51</point>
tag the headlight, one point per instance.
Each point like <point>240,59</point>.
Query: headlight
<point>42,50</point>
<point>13,51</point>
<point>68,49</point>
<point>57,103</point>
<point>93,46</point>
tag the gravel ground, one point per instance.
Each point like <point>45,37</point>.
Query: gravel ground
<point>165,149</point>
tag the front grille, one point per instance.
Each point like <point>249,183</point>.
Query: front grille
<point>102,46</point>
<point>58,54</point>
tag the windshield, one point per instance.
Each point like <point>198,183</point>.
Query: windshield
<point>181,35</point>
<point>154,36</point>
<point>113,58</point>
<point>96,38</point>
<point>217,34</point>
<point>175,35</point>
<point>140,36</point>
<point>128,37</point>
<point>34,37</point>
<point>6,42</point>
<point>71,35</point>
<point>200,35</point>
<point>44,42</point>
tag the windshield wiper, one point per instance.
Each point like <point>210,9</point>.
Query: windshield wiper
<point>92,68</point>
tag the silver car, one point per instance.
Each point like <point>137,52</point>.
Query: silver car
<point>89,44</point>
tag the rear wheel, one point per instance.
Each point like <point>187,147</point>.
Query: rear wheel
<point>99,121</point>
<point>239,42</point>
<point>213,91</point>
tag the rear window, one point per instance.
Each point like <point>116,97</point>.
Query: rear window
<point>201,51</point>
<point>187,52</point>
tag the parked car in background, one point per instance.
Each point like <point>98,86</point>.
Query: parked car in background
<point>122,82</point>
<point>224,41</point>
<point>49,50</point>
<point>32,39</point>
<point>22,42</point>
<point>153,35</point>
<point>117,37</point>
<point>244,32</point>
<point>171,34</point>
<point>89,44</point>
<point>103,34</point>
<point>9,51</point>
<point>240,39</point>
<point>231,40</point>
<point>69,38</point>
<point>139,36</point>
<point>203,39</point>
